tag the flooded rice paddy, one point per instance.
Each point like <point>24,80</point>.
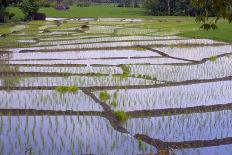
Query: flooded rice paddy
<point>112,86</point>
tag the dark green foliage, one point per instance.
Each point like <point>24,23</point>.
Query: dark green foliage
<point>4,14</point>
<point>29,7</point>
<point>208,26</point>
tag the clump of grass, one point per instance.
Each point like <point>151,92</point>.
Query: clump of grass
<point>104,96</point>
<point>213,58</point>
<point>67,89</point>
<point>114,103</point>
<point>121,115</point>
<point>126,70</point>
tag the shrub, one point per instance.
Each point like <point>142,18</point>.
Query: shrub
<point>29,7</point>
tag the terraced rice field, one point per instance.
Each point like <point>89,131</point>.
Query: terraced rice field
<point>111,86</point>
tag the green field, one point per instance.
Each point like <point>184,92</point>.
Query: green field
<point>186,26</point>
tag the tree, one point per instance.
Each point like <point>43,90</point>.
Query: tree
<point>222,9</point>
<point>29,7</point>
<point>4,14</point>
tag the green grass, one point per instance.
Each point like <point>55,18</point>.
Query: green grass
<point>95,11</point>
<point>18,13</point>
<point>223,33</point>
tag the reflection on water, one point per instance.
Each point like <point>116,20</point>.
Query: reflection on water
<point>65,135</point>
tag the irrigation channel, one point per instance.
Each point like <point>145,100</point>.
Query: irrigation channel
<point>133,90</point>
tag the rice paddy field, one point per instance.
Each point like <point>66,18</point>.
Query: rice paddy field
<point>112,86</point>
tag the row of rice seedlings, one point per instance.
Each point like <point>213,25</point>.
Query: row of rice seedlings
<point>102,29</point>
<point>73,37</point>
<point>172,97</point>
<point>99,39</point>
<point>195,52</point>
<point>221,68</point>
<point>73,134</point>
<point>128,44</point>
<point>127,73</point>
<point>203,126</point>
<point>81,81</point>
<point>135,31</point>
<point>48,100</point>
<point>78,70</point>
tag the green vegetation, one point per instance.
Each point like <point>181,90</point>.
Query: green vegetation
<point>104,96</point>
<point>182,26</point>
<point>29,7</point>
<point>213,58</point>
<point>114,103</point>
<point>10,81</point>
<point>126,70</point>
<point>146,77</point>
<point>223,33</point>
<point>109,11</point>
<point>121,115</point>
<point>67,89</point>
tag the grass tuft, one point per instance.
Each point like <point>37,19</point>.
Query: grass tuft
<point>67,89</point>
<point>121,115</point>
<point>213,58</point>
<point>104,96</point>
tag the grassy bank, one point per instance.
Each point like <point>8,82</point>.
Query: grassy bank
<point>223,33</point>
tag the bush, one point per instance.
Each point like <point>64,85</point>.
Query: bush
<point>29,7</point>
<point>5,15</point>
